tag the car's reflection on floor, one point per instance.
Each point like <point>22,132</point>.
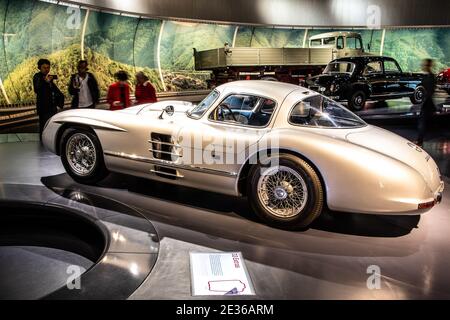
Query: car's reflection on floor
<point>218,204</point>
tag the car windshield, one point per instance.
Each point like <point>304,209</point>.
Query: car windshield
<point>319,111</point>
<point>199,110</point>
<point>339,67</point>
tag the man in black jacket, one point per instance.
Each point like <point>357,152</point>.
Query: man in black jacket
<point>48,96</point>
<point>428,107</point>
<point>83,87</point>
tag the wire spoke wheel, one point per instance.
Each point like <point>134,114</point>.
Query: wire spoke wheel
<point>282,191</point>
<point>81,154</point>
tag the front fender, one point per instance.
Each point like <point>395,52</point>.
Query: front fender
<point>60,121</point>
<point>93,123</point>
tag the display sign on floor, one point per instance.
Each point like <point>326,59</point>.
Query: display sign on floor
<point>219,274</point>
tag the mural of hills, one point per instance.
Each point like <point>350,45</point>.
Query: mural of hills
<point>34,29</point>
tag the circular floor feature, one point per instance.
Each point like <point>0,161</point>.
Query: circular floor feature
<point>57,251</point>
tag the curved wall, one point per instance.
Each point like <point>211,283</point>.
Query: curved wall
<point>161,48</point>
<point>306,13</point>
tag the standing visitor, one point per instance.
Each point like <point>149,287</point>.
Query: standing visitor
<point>48,96</point>
<point>428,108</point>
<point>119,92</point>
<point>145,92</point>
<point>83,87</point>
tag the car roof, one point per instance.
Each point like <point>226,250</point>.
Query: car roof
<point>270,89</point>
<point>334,34</point>
<point>363,58</point>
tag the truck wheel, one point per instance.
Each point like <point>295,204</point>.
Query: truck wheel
<point>82,156</point>
<point>418,96</point>
<point>287,194</point>
<point>357,100</point>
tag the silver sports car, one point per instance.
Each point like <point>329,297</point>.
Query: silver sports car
<point>291,151</point>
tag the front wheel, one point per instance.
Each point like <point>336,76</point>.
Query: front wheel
<point>287,194</point>
<point>82,156</point>
<point>418,96</point>
<point>357,100</point>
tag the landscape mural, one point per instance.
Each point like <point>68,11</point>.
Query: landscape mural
<point>163,49</point>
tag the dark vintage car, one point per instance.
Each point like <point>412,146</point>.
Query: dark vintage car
<point>443,79</point>
<point>358,79</point>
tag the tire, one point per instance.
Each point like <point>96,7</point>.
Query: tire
<point>418,96</point>
<point>357,100</point>
<point>82,172</point>
<point>259,190</point>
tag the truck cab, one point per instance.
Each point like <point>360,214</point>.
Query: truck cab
<point>343,43</point>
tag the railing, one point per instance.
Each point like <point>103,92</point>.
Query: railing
<point>24,112</point>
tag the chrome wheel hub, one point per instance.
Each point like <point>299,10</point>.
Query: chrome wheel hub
<point>81,154</point>
<point>419,95</point>
<point>282,191</point>
<point>358,100</point>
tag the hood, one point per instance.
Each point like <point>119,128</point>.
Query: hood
<point>394,146</point>
<point>179,107</point>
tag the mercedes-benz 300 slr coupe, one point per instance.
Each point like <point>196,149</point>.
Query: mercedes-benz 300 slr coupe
<point>291,151</point>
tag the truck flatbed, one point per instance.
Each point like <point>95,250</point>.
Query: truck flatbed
<point>261,57</point>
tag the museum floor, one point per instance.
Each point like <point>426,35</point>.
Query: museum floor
<point>150,229</point>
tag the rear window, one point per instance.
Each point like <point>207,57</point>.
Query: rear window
<point>319,111</point>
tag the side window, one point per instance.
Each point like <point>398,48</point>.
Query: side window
<point>354,43</point>
<point>340,43</point>
<point>315,43</point>
<point>244,109</point>
<point>390,67</point>
<point>329,41</point>
<point>372,68</point>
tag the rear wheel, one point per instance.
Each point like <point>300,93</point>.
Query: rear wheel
<point>357,100</point>
<point>82,156</point>
<point>418,96</point>
<point>287,194</point>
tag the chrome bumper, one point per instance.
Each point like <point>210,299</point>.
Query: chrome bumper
<point>444,86</point>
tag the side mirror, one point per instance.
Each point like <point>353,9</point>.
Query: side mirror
<point>170,110</point>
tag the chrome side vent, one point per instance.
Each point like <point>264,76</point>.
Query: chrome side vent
<point>162,147</point>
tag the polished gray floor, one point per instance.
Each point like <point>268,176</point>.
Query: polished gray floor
<point>330,260</point>
<point>29,272</point>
